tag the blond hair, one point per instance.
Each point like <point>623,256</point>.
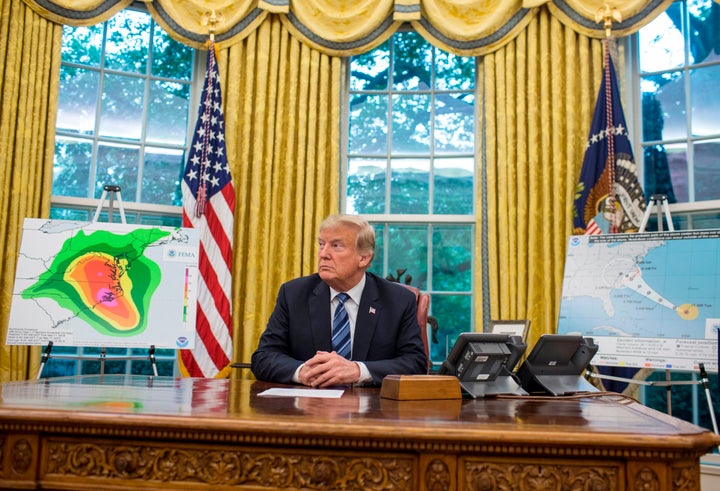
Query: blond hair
<point>365,240</point>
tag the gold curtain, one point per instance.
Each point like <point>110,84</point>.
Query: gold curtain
<point>537,94</point>
<point>30,69</point>
<point>282,116</point>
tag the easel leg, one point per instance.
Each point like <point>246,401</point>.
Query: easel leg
<point>114,194</point>
<point>668,393</point>
<point>151,355</point>
<point>661,205</point>
<point>44,359</point>
<point>706,384</point>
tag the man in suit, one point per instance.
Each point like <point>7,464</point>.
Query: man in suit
<point>297,345</point>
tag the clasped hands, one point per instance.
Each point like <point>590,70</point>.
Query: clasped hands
<point>327,369</point>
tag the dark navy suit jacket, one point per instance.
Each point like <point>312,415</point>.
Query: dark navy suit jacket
<point>387,336</point>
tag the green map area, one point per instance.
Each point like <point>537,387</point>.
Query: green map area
<point>104,278</point>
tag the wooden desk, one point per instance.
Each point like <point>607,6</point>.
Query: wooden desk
<point>133,432</point>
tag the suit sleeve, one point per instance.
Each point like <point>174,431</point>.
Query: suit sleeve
<point>272,361</point>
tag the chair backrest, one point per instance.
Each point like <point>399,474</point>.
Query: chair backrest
<point>423,308</point>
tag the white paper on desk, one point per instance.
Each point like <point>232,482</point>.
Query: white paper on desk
<point>322,393</point>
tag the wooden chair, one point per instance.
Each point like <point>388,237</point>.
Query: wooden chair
<point>423,308</point>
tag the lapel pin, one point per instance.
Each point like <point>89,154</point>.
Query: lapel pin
<point>372,310</point>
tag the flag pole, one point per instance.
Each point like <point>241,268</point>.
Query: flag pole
<point>607,14</point>
<point>210,19</point>
<point>209,205</point>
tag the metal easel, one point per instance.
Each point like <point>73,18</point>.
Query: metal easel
<point>661,205</point>
<point>662,208</point>
<point>660,202</point>
<point>114,193</point>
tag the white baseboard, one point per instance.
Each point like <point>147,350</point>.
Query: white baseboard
<point>710,472</point>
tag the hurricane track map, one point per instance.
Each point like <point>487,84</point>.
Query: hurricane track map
<point>648,299</point>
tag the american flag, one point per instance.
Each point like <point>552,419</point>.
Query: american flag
<point>209,205</point>
<point>608,198</point>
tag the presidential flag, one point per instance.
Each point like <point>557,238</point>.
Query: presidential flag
<point>209,205</point>
<point>608,198</point>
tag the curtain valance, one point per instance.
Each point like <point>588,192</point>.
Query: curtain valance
<point>347,27</point>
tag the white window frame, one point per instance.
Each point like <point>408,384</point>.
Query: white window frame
<point>423,220</point>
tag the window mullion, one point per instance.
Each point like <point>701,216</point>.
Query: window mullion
<point>145,112</point>
<point>688,111</point>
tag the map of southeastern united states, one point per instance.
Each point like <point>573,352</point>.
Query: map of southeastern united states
<point>104,278</point>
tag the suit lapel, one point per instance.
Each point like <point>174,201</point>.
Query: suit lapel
<point>367,319</point>
<point>320,322</point>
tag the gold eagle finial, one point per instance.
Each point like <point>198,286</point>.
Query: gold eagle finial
<point>607,14</point>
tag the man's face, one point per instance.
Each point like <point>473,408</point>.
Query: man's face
<point>340,265</point>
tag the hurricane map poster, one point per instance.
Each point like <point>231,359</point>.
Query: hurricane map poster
<point>648,300</point>
<point>104,285</point>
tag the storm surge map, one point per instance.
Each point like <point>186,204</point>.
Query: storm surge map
<point>104,284</point>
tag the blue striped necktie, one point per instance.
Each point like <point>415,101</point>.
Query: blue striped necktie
<point>341,327</point>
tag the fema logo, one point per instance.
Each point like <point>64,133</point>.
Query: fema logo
<point>574,241</point>
<point>172,253</point>
<point>182,342</point>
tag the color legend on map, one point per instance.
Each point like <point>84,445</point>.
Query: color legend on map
<point>189,294</point>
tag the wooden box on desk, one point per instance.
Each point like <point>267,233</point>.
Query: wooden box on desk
<point>420,387</point>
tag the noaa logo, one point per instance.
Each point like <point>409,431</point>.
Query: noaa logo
<point>172,253</point>
<point>182,342</point>
<point>574,241</point>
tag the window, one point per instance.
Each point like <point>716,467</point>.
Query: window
<point>677,61</point>
<point>123,118</point>
<point>678,68</point>
<point>410,171</point>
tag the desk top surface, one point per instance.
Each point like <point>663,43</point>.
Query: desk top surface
<point>230,405</point>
